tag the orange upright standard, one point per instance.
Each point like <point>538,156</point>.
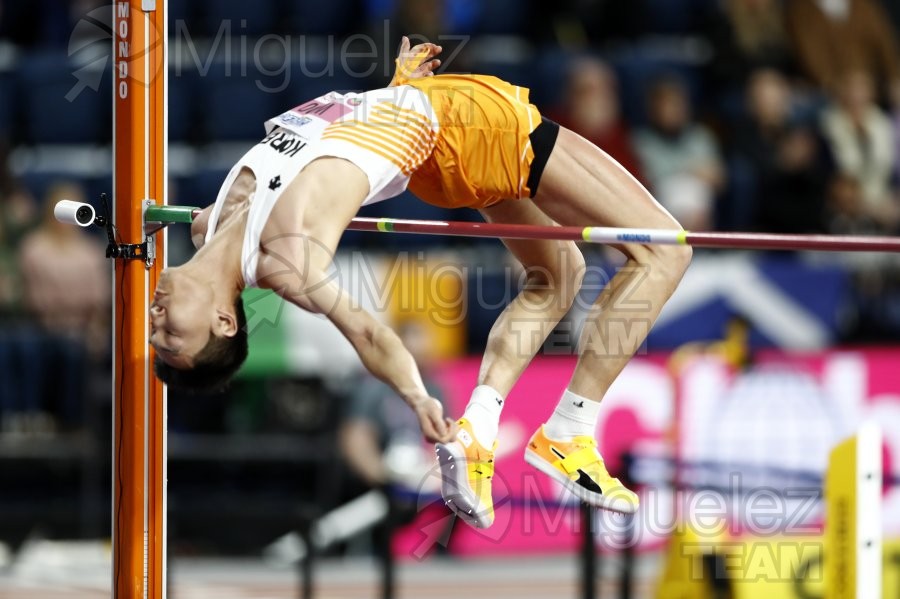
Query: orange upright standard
<point>139,409</point>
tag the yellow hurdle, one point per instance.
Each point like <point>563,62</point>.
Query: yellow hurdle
<point>853,544</point>
<point>788,567</point>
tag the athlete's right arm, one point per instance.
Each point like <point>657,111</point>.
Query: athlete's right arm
<point>380,349</point>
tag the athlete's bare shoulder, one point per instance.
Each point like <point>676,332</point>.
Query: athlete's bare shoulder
<point>307,222</point>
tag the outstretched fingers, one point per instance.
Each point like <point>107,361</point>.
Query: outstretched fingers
<point>418,61</point>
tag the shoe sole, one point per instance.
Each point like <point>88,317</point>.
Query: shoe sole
<point>613,504</point>
<point>455,489</point>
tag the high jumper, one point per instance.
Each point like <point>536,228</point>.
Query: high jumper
<point>455,141</point>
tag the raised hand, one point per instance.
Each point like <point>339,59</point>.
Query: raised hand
<point>415,62</point>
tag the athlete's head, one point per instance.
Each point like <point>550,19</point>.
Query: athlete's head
<point>200,340</point>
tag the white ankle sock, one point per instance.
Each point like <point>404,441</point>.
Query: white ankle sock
<point>574,416</point>
<point>483,412</point>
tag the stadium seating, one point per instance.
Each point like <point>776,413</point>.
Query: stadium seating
<point>335,17</point>
<point>548,75</point>
<point>516,72</point>
<point>201,188</point>
<point>263,19</point>
<point>183,11</point>
<point>507,17</point>
<point>183,90</point>
<point>234,108</point>
<point>60,105</point>
<point>310,80</point>
<point>672,17</point>
<point>639,66</point>
<point>7,106</point>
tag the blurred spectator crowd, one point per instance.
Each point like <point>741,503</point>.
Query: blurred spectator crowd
<point>770,115</point>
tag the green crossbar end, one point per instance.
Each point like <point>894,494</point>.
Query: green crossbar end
<point>169,214</point>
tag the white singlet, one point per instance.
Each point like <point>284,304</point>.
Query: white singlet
<point>386,132</point>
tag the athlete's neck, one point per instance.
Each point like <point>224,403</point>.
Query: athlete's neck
<point>238,198</point>
<point>218,262</point>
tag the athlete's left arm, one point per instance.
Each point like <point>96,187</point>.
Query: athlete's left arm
<point>416,62</point>
<point>199,227</point>
<point>378,346</point>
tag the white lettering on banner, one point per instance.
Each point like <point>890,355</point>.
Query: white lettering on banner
<point>830,396</point>
<point>123,11</point>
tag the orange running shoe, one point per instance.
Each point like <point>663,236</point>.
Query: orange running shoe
<point>579,467</point>
<point>466,471</point>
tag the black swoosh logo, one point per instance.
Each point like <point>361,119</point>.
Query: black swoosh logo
<point>588,483</point>
<point>583,479</point>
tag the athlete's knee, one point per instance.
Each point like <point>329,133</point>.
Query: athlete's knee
<point>673,259</point>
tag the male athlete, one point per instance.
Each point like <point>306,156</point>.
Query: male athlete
<point>453,140</point>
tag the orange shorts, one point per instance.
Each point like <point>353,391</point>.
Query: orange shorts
<point>482,153</point>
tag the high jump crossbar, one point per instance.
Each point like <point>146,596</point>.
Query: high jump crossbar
<point>605,235</point>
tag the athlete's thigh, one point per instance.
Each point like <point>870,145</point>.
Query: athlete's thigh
<point>534,253</point>
<point>583,186</point>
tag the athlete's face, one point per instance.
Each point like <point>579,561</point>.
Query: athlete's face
<point>182,315</point>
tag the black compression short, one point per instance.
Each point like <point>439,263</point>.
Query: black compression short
<point>543,138</point>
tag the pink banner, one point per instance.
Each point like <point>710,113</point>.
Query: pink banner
<point>785,412</point>
<point>533,514</point>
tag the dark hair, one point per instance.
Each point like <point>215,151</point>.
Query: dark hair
<point>214,365</point>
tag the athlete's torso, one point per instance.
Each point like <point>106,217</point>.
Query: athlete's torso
<point>456,140</point>
<point>383,132</point>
